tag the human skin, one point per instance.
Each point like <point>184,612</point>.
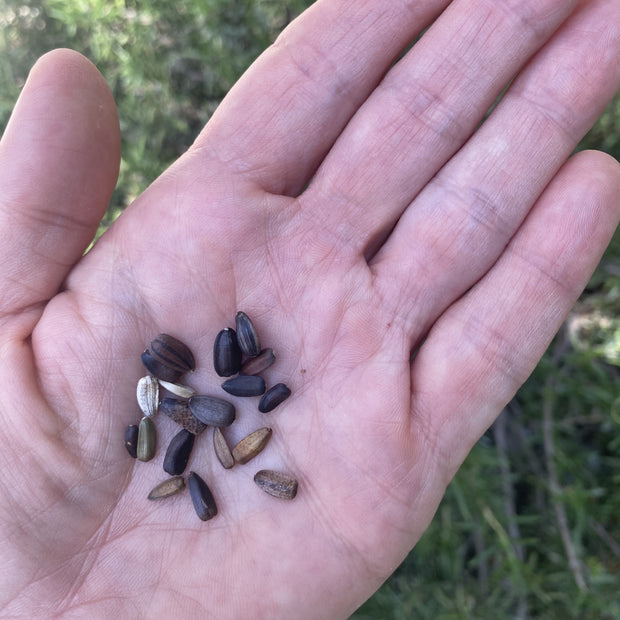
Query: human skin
<point>353,209</point>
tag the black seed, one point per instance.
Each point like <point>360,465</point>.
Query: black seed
<point>212,411</point>
<point>172,353</point>
<point>159,370</point>
<point>246,335</point>
<point>178,452</point>
<point>131,440</point>
<point>202,498</point>
<point>226,353</point>
<point>276,484</point>
<point>273,397</point>
<point>245,385</point>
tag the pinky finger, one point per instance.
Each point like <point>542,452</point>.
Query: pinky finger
<point>482,349</point>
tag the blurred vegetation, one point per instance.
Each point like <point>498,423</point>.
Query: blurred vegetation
<point>530,526</point>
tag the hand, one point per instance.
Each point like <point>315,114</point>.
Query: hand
<point>357,218</point>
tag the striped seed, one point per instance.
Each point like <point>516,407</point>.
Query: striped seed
<point>222,451</point>
<point>251,445</point>
<point>167,488</point>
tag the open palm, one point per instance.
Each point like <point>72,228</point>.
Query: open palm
<point>358,217</point>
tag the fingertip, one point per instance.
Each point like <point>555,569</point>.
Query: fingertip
<point>65,72</point>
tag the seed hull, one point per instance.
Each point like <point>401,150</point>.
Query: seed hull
<point>222,451</point>
<point>159,370</point>
<point>173,353</point>
<point>246,335</point>
<point>131,440</point>
<point>178,452</point>
<point>169,487</point>
<point>178,411</point>
<point>147,440</point>
<point>202,498</point>
<point>226,353</point>
<point>212,411</point>
<point>252,445</point>
<point>273,397</point>
<point>276,483</point>
<point>245,385</point>
<point>256,365</point>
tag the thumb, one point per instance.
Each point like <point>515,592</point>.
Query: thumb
<point>59,161</point>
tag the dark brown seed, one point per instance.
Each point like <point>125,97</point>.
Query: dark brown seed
<point>222,451</point>
<point>147,440</point>
<point>131,440</point>
<point>172,353</point>
<point>167,488</point>
<point>256,365</point>
<point>178,410</point>
<point>246,335</point>
<point>276,484</point>
<point>251,445</point>
<point>178,452</point>
<point>159,370</point>
<point>212,411</point>
<point>245,385</point>
<point>273,397</point>
<point>202,498</point>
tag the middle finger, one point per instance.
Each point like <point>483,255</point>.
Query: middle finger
<point>425,109</point>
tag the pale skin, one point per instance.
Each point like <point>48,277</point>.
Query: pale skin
<point>357,217</point>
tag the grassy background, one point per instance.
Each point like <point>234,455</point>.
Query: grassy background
<point>530,527</point>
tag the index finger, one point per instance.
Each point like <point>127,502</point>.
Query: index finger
<point>283,115</point>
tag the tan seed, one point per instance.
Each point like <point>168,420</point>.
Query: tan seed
<point>167,488</point>
<point>251,445</point>
<point>147,393</point>
<point>276,484</point>
<point>222,451</point>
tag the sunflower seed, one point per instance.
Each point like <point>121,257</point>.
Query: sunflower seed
<point>178,452</point>
<point>251,445</point>
<point>147,440</point>
<point>178,411</point>
<point>246,335</point>
<point>131,440</point>
<point>147,393</point>
<point>276,484</point>
<point>159,370</point>
<point>202,498</point>
<point>273,397</point>
<point>245,385</point>
<point>182,391</point>
<point>167,488</point>
<point>256,365</point>
<point>172,353</point>
<point>222,451</point>
<point>212,411</point>
<point>226,353</point>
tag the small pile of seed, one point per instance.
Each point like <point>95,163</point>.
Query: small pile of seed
<point>235,352</point>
